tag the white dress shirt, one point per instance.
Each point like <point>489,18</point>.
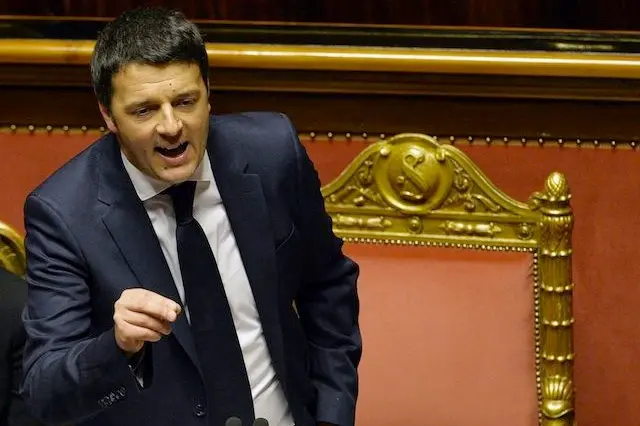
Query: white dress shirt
<point>208,209</point>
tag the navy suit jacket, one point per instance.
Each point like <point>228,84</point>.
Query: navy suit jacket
<point>13,295</point>
<point>89,238</point>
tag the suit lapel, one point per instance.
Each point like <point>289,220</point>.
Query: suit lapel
<point>128,223</point>
<point>246,208</point>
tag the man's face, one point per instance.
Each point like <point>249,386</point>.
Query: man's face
<point>160,114</point>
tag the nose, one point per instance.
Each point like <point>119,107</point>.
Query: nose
<point>169,125</point>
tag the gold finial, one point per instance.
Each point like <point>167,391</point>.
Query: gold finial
<point>557,186</point>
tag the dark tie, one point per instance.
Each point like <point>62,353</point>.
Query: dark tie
<point>225,375</point>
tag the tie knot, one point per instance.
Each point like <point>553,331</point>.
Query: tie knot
<point>182,197</point>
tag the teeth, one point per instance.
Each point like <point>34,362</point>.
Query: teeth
<point>168,149</point>
<point>171,148</point>
<point>172,151</point>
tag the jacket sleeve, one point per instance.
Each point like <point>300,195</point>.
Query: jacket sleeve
<point>327,302</point>
<point>69,373</point>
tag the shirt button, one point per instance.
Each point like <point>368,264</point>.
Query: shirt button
<point>199,410</point>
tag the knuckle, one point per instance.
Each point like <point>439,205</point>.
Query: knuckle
<point>127,293</point>
<point>145,299</point>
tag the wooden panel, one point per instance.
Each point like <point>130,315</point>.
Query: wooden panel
<point>374,90</point>
<point>575,14</point>
<point>358,113</point>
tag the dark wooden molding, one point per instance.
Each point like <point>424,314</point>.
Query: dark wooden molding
<point>368,89</point>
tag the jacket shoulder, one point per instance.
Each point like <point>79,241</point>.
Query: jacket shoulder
<point>254,127</point>
<point>74,180</point>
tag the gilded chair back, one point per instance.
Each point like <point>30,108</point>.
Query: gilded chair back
<point>12,252</point>
<point>446,258</point>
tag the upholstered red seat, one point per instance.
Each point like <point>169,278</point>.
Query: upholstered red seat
<point>448,337</point>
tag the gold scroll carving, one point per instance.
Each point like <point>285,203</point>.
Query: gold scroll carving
<point>410,189</point>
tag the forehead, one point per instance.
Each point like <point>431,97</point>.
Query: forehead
<point>146,80</point>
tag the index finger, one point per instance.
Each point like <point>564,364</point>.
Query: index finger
<point>153,304</point>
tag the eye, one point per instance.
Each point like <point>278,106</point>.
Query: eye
<point>186,102</point>
<point>141,112</point>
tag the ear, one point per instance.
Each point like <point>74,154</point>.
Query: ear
<point>108,119</point>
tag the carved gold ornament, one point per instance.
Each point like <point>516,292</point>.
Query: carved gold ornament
<point>411,190</point>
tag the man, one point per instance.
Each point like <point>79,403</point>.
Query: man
<point>13,294</point>
<point>130,319</point>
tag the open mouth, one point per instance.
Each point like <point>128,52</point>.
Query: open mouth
<point>173,152</point>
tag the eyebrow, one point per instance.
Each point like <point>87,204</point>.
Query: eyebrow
<point>188,93</point>
<point>138,104</point>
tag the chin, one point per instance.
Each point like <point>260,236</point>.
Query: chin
<point>177,175</point>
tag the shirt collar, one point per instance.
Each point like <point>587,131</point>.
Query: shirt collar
<point>148,187</point>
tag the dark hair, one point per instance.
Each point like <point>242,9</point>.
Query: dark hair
<point>149,36</point>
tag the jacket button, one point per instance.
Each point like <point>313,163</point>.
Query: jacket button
<point>199,410</point>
